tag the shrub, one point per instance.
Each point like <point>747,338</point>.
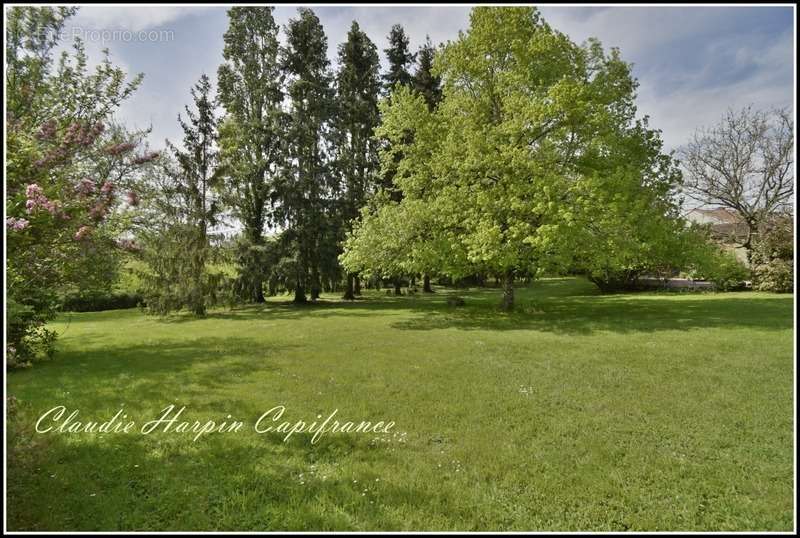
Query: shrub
<point>723,269</point>
<point>611,281</point>
<point>773,258</point>
<point>27,336</point>
<point>776,275</point>
<point>95,302</point>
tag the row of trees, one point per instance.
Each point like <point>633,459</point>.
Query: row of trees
<point>508,152</point>
<point>293,150</point>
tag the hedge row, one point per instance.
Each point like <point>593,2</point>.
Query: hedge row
<point>98,302</point>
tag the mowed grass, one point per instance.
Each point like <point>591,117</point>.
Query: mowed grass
<point>654,411</point>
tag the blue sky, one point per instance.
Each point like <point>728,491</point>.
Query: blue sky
<point>692,62</point>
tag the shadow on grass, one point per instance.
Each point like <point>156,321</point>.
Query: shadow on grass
<point>155,371</point>
<point>233,481</point>
<point>570,306</point>
<point>616,313</point>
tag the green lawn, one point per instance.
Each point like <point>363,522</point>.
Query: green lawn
<point>651,411</point>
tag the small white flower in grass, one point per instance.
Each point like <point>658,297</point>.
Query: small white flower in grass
<point>93,495</point>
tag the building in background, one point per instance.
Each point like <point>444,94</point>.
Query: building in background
<point>726,227</point>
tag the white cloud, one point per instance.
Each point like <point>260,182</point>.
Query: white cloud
<point>692,63</point>
<point>130,18</point>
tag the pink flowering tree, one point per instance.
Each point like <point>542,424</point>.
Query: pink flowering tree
<point>72,174</point>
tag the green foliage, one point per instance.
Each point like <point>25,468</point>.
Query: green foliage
<point>357,117</point>
<point>253,131</point>
<point>177,271</point>
<point>773,256</point>
<point>304,193</point>
<point>721,267</point>
<point>400,60</point>
<point>66,165</point>
<point>776,275</point>
<point>534,138</point>
<point>98,301</point>
<point>27,334</point>
<point>425,82</point>
<point>182,209</point>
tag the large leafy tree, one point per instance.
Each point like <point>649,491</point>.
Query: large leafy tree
<point>307,184</point>
<point>183,211</point>
<point>69,170</point>
<point>622,219</point>
<point>251,136</point>
<point>358,87</point>
<point>526,115</point>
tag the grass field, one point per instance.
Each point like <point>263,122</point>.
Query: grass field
<point>650,411</point>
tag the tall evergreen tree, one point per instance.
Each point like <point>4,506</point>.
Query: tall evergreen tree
<point>358,86</point>
<point>184,208</point>
<point>399,75</point>
<point>430,87</point>
<point>251,138</point>
<point>307,184</point>
<point>400,59</point>
<point>425,82</point>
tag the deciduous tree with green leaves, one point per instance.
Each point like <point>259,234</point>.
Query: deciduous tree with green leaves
<point>526,116</point>
<point>69,171</point>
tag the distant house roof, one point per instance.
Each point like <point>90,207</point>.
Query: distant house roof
<point>719,215</point>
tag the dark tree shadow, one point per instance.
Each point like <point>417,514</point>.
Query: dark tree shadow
<point>567,305</point>
<point>258,483</point>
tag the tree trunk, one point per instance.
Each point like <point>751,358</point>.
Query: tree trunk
<point>300,294</point>
<point>751,233</point>
<point>426,284</point>
<point>348,292</point>
<point>356,285</point>
<point>507,303</point>
<point>397,287</point>
<point>272,287</point>
<point>315,284</point>
<point>258,291</point>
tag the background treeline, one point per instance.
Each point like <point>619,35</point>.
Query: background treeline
<point>286,144</point>
<point>505,154</point>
